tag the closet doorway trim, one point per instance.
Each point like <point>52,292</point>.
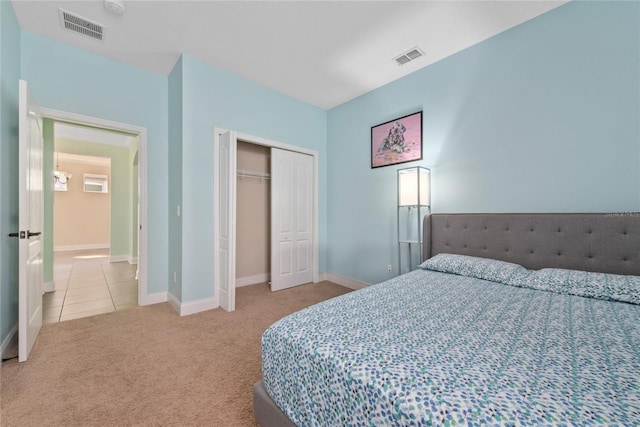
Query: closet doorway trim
<point>216,197</point>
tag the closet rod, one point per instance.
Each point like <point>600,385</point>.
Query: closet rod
<point>251,174</point>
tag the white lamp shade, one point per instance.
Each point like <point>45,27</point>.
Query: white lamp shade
<point>414,187</point>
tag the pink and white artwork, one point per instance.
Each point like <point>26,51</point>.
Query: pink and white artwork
<point>397,141</point>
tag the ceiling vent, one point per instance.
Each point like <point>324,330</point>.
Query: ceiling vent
<point>409,56</point>
<point>81,25</point>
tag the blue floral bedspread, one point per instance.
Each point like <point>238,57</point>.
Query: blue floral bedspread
<point>430,348</point>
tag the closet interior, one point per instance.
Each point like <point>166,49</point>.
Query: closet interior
<point>253,214</point>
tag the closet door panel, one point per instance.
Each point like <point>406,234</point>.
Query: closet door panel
<point>291,216</point>
<point>225,253</point>
<point>303,214</point>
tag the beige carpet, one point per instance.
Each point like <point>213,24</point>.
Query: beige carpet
<point>148,366</point>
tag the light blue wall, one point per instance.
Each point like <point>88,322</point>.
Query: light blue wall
<point>215,98</point>
<point>175,180</point>
<point>70,79</point>
<point>541,118</point>
<point>9,75</point>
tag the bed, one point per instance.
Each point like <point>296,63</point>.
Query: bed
<point>513,319</point>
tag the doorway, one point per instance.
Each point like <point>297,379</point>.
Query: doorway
<point>105,271</point>
<point>88,278</point>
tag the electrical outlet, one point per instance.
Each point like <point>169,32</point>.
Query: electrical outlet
<point>389,268</point>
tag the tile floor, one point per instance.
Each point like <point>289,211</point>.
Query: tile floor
<point>88,284</point>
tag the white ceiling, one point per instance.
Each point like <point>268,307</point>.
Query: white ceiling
<point>321,52</point>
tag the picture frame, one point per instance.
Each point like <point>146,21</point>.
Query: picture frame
<point>397,141</point>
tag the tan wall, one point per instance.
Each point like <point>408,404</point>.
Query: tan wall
<point>253,221</point>
<point>79,218</point>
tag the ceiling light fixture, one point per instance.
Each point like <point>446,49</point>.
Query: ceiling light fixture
<point>60,177</point>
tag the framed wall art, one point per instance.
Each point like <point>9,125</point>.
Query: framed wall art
<point>397,141</point>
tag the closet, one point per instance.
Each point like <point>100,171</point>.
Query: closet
<point>265,216</point>
<point>253,214</point>
<point>274,218</point>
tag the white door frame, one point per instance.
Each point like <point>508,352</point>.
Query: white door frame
<point>216,176</point>
<point>143,294</point>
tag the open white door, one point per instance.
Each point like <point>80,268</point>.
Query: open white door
<point>291,219</point>
<point>30,186</point>
<point>225,257</point>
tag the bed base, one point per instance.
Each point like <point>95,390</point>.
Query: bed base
<point>265,411</point>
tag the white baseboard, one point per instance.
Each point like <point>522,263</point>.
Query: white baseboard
<point>156,298</point>
<point>252,280</point>
<point>9,341</point>
<point>192,307</point>
<point>68,248</point>
<point>48,286</point>
<point>123,258</point>
<point>344,281</point>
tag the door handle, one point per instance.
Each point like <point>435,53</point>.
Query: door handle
<point>20,234</point>
<point>30,234</point>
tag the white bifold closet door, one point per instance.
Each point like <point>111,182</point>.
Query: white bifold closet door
<point>291,219</point>
<point>225,256</point>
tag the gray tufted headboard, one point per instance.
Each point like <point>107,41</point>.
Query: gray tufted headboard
<point>602,242</point>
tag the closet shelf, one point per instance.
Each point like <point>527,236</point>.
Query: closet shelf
<point>251,174</point>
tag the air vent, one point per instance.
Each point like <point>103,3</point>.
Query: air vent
<point>81,25</point>
<point>409,56</point>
